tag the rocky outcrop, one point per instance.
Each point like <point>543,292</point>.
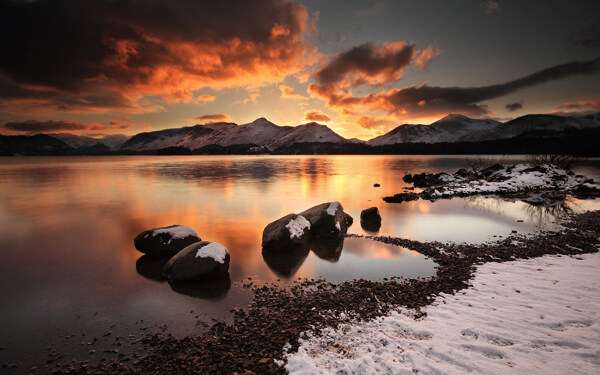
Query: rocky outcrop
<point>199,261</point>
<point>537,184</point>
<point>166,241</point>
<point>370,219</point>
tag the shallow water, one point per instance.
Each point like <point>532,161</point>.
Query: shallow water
<point>67,226</point>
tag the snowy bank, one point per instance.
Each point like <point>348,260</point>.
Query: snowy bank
<point>531,316</point>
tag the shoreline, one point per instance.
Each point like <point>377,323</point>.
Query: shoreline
<point>254,342</point>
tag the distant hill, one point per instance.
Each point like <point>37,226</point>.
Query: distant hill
<point>112,142</point>
<point>39,144</point>
<point>453,134</point>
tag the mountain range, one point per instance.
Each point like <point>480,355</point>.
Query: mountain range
<point>262,136</point>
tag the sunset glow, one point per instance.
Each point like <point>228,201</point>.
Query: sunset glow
<point>362,68</point>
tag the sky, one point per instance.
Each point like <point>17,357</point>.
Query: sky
<point>103,67</point>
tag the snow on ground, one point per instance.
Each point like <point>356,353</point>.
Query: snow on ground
<point>515,178</point>
<point>213,250</point>
<point>532,316</point>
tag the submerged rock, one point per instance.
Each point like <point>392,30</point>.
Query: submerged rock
<point>328,220</point>
<point>370,219</point>
<point>291,231</point>
<point>200,260</point>
<point>165,241</point>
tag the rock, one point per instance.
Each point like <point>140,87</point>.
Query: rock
<point>370,219</point>
<point>376,185</point>
<point>291,231</point>
<point>402,197</point>
<point>165,241</point>
<point>328,220</point>
<point>200,260</point>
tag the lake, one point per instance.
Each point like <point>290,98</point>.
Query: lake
<point>67,226</point>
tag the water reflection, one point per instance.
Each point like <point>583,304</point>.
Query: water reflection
<point>213,289</point>
<point>151,268</point>
<point>286,263</point>
<point>67,224</point>
<point>329,249</point>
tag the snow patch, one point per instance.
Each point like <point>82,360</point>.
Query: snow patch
<point>213,250</point>
<point>529,316</point>
<point>333,207</point>
<point>296,226</point>
<point>177,232</point>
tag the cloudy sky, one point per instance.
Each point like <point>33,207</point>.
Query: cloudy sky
<point>99,67</point>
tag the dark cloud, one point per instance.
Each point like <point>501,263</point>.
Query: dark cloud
<point>367,63</point>
<point>428,100</point>
<point>511,107</point>
<point>33,126</point>
<point>219,117</point>
<point>316,116</point>
<point>588,36</point>
<point>55,49</point>
<point>490,6</point>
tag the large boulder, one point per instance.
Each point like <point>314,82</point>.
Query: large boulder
<point>289,232</point>
<point>166,241</point>
<point>328,220</point>
<point>370,219</point>
<point>200,260</point>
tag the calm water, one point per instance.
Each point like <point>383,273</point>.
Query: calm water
<point>67,226</point>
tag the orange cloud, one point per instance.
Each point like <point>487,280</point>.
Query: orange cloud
<point>290,92</point>
<point>201,99</point>
<point>114,54</point>
<point>219,117</point>
<point>369,122</point>
<point>425,56</point>
<point>582,104</point>
<point>316,116</point>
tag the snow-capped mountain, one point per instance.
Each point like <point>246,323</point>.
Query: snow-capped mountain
<point>260,132</point>
<point>532,123</point>
<point>79,141</point>
<point>448,129</point>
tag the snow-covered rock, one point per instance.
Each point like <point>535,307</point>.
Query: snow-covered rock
<point>165,241</point>
<point>328,220</point>
<point>289,232</point>
<point>200,260</point>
